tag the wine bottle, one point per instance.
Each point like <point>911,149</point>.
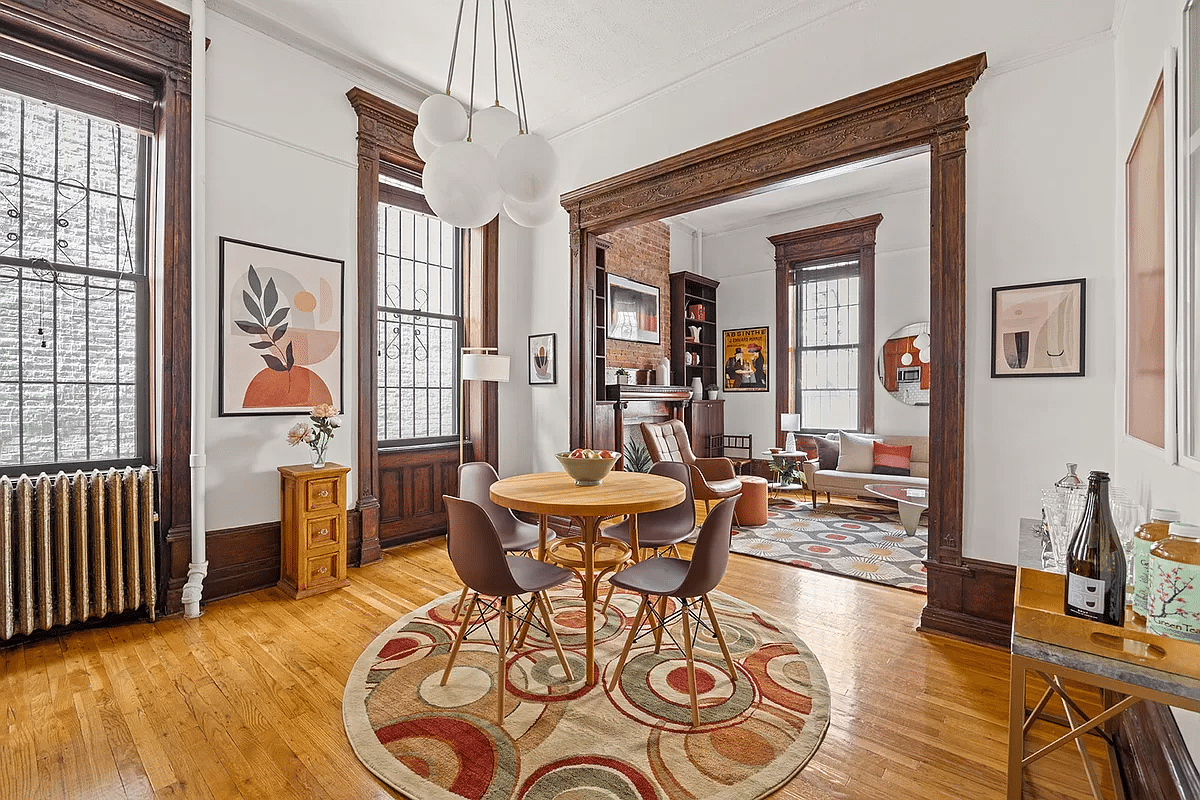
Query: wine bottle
<point>1096,561</point>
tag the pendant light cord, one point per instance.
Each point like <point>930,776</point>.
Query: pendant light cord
<point>522,110</point>
<point>495,55</point>
<point>474,52</point>
<point>454,49</point>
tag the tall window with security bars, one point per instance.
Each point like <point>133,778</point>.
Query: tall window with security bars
<point>73,284</point>
<point>827,344</point>
<point>420,317</point>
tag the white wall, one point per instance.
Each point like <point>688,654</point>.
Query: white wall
<point>1039,202</point>
<point>282,171</point>
<point>744,261</point>
<point>1147,28</point>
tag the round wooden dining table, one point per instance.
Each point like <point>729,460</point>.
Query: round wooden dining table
<point>555,493</point>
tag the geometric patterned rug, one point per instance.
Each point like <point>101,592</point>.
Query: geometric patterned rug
<point>861,542</point>
<point>566,740</point>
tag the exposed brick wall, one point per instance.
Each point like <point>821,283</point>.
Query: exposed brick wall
<point>642,253</point>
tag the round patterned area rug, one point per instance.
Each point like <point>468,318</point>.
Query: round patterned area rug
<point>566,740</point>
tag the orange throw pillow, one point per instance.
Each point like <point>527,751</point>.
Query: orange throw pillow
<point>892,459</point>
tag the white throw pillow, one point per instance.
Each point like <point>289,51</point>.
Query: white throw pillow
<point>857,453</point>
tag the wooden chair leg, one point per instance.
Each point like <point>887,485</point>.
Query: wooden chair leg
<point>706,507</point>
<point>691,663</point>
<point>543,605</point>
<point>813,492</point>
<point>461,599</point>
<point>607,600</point>
<point>524,629</point>
<point>643,608</point>
<point>662,614</point>
<point>720,638</point>
<point>502,652</point>
<point>458,640</point>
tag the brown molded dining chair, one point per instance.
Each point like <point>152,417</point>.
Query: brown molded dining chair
<point>665,529</point>
<point>475,479</point>
<point>712,478</point>
<point>687,581</point>
<point>481,563</point>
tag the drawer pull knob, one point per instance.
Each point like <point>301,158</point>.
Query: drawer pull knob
<point>322,570</point>
<point>323,493</point>
<point>323,532</point>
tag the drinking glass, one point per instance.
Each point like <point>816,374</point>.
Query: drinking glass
<point>1062,509</point>
<point>1127,515</point>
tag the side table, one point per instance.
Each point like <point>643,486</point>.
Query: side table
<point>313,526</point>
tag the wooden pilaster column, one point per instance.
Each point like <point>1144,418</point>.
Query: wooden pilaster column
<point>368,434</point>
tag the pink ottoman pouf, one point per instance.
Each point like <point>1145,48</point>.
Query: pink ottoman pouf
<point>751,508</point>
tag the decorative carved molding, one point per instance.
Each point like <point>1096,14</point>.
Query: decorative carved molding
<point>157,36</point>
<point>877,121</point>
<point>927,110</point>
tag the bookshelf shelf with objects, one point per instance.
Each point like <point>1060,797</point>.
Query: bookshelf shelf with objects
<point>694,347</point>
<point>600,337</point>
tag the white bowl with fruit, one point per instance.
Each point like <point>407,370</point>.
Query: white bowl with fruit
<point>588,467</point>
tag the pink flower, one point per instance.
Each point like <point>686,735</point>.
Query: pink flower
<point>324,411</point>
<point>299,433</point>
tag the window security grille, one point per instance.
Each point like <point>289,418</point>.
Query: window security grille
<point>73,287</point>
<point>827,346</point>
<point>419,318</point>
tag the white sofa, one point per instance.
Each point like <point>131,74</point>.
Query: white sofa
<point>852,484</point>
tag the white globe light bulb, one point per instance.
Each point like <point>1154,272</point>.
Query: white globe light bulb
<point>442,119</point>
<point>493,126</point>
<point>460,185</point>
<point>906,359</point>
<point>425,148</point>
<point>527,168</point>
<point>532,215</point>
<point>924,355</point>
<point>922,341</point>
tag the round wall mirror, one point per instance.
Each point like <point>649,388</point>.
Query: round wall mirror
<point>904,364</point>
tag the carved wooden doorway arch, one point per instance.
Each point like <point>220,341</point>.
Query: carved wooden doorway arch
<point>924,111</point>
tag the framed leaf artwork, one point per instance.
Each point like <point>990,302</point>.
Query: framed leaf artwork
<point>281,330</point>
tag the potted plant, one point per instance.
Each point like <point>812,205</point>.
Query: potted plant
<point>318,434</point>
<point>711,390</point>
<point>622,375</point>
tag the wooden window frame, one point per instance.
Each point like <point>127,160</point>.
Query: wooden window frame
<point>385,139</point>
<point>853,238</point>
<point>146,43</point>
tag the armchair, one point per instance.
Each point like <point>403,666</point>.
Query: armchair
<point>712,478</point>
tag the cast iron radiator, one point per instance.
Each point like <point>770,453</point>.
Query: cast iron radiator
<point>75,547</point>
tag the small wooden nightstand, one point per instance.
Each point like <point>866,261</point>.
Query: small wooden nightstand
<point>313,524</point>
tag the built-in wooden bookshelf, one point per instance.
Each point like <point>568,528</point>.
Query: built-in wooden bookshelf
<point>600,337</point>
<point>694,311</point>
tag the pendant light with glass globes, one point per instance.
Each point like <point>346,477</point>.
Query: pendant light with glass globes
<point>479,161</point>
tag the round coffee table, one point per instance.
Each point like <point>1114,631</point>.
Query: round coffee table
<point>912,500</point>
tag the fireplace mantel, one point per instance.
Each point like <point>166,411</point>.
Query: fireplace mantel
<point>626,393</point>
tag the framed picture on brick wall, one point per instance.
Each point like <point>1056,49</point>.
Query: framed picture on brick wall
<point>633,310</point>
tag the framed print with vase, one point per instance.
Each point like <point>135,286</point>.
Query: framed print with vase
<point>1038,329</point>
<point>543,359</point>
<point>281,330</point>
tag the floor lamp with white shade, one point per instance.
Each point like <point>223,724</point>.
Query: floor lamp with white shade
<point>477,364</point>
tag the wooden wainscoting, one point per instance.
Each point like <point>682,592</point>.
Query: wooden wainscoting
<point>411,485</point>
<point>972,601</point>
<point>1155,762</point>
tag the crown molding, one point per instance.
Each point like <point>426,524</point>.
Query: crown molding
<point>407,92</point>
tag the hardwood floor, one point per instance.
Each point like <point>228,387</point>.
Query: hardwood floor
<point>246,701</point>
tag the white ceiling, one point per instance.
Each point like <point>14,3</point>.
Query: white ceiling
<point>584,59</point>
<point>813,193</point>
